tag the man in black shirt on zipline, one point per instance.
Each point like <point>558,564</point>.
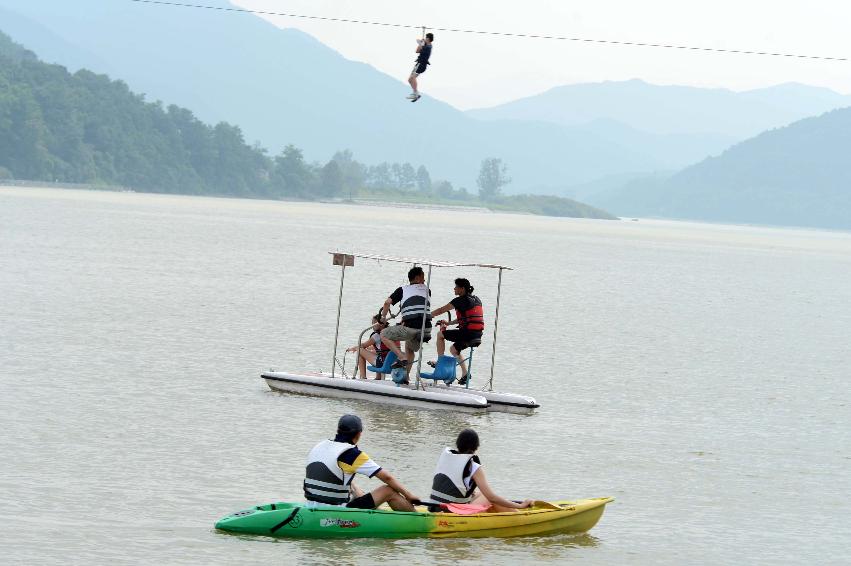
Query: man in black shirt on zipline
<point>424,50</point>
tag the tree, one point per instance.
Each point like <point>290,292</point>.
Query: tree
<point>444,189</point>
<point>492,177</point>
<point>379,176</point>
<point>354,173</point>
<point>292,174</point>
<point>423,180</point>
<point>331,179</point>
<point>407,176</point>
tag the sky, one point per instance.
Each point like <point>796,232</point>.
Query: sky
<point>473,71</point>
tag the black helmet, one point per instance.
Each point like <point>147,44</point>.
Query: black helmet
<point>349,425</point>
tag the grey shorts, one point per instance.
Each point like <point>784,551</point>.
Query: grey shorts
<point>411,336</point>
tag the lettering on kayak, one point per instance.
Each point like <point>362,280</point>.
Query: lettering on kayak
<point>450,523</point>
<point>342,523</point>
<point>296,522</point>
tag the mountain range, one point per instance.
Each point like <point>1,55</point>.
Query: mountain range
<point>282,86</point>
<point>799,175</point>
<point>672,110</point>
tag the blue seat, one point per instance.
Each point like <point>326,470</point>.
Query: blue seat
<point>388,361</point>
<point>444,370</point>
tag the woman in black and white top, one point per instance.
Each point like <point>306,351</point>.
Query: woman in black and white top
<point>460,478</point>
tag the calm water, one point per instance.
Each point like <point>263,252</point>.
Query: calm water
<point>696,373</point>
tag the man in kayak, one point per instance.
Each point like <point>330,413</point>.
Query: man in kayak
<point>415,306</point>
<point>332,465</point>
<point>421,64</point>
<point>459,474</point>
<point>470,319</point>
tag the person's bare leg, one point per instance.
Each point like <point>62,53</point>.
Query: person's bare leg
<point>441,343</point>
<point>362,365</point>
<point>460,359</point>
<point>409,354</point>
<point>399,503</point>
<point>392,345</point>
<point>386,494</point>
<point>366,356</point>
<point>412,80</point>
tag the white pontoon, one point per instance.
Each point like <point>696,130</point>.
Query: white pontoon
<point>423,392</point>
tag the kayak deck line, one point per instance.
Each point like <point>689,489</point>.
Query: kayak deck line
<point>296,520</point>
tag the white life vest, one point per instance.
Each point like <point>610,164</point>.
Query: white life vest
<point>448,485</point>
<point>415,304</point>
<point>325,481</point>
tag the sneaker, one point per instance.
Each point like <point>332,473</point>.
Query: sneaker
<point>399,364</point>
<point>463,380</point>
<point>416,97</point>
<point>432,364</point>
<point>410,96</point>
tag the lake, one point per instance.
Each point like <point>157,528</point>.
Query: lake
<point>696,373</point>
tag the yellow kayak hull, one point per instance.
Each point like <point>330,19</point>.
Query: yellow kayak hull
<point>572,517</point>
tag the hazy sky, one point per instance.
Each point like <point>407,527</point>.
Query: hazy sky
<point>470,71</point>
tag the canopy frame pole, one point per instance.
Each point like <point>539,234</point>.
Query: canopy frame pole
<point>422,327</point>
<point>495,328</point>
<point>337,330</point>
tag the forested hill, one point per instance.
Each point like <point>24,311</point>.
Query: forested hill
<point>85,128</point>
<point>798,175</point>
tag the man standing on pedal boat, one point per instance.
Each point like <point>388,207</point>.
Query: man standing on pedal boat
<point>415,305</point>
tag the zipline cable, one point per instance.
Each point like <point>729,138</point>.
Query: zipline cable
<point>500,33</point>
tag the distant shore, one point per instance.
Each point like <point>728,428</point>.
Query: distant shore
<point>58,185</point>
<point>522,204</point>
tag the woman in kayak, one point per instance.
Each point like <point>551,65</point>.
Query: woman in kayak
<point>459,473</point>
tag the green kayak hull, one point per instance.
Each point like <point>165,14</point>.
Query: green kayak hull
<point>295,520</point>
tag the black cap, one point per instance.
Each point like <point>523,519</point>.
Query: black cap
<point>349,424</point>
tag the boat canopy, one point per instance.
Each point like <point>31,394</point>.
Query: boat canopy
<point>419,261</point>
<point>344,260</point>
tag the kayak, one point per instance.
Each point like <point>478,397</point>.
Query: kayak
<point>296,520</point>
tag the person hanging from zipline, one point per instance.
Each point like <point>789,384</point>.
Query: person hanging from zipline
<point>424,52</point>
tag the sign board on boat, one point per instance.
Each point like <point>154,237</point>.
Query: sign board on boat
<point>344,259</point>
